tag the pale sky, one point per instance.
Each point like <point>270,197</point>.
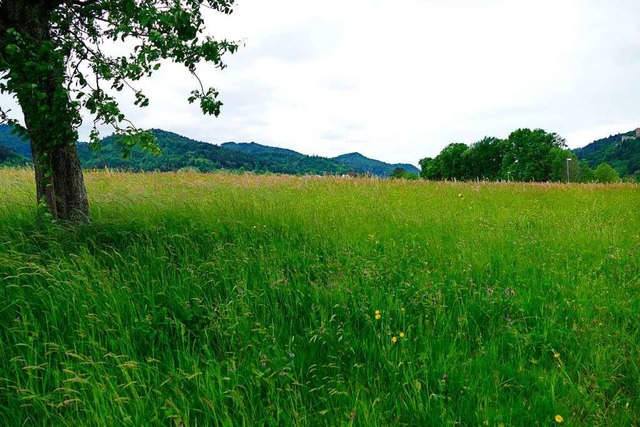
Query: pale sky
<point>398,81</point>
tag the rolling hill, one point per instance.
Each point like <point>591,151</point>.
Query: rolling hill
<point>179,152</point>
<point>375,167</point>
<point>289,161</point>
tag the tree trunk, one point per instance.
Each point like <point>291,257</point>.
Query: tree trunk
<point>59,179</point>
<point>63,189</point>
<point>50,118</point>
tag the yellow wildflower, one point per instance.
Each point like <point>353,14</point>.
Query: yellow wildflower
<point>559,419</point>
<point>556,356</point>
<point>401,334</point>
<point>378,317</point>
<point>377,311</point>
<point>394,339</point>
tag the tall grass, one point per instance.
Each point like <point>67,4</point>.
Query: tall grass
<point>203,300</point>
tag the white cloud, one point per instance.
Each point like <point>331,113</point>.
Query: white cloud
<point>399,81</point>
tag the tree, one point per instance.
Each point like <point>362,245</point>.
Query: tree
<point>53,61</point>
<point>430,169</point>
<point>401,173</point>
<point>605,174</point>
<point>452,161</point>
<point>484,159</point>
<point>397,173</point>
<point>560,164</point>
<point>528,155</point>
<point>585,173</point>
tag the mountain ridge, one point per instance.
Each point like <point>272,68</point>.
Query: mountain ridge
<point>180,152</point>
<point>355,161</point>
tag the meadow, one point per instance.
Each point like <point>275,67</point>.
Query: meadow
<point>220,300</point>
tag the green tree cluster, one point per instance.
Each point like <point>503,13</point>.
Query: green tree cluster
<point>401,173</point>
<point>526,155</point>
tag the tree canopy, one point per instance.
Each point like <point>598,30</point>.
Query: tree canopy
<point>605,174</point>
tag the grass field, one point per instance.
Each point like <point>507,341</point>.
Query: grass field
<point>203,300</point>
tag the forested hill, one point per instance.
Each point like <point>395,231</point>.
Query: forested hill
<point>290,161</point>
<point>252,147</point>
<point>16,144</point>
<point>179,152</point>
<point>359,162</point>
<point>623,156</point>
<point>9,157</point>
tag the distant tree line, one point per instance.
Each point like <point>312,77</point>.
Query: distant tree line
<point>526,156</point>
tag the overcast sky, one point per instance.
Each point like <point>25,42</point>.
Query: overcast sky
<point>398,81</point>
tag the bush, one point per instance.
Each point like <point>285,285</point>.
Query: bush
<point>605,174</point>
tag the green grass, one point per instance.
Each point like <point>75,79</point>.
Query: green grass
<point>204,300</point>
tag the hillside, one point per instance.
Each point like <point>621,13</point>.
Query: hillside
<point>16,144</point>
<point>177,152</point>
<point>254,148</point>
<point>623,156</point>
<point>180,152</point>
<point>289,161</point>
<point>8,157</point>
<point>364,164</point>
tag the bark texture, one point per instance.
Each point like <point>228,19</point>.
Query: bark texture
<point>63,190</point>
